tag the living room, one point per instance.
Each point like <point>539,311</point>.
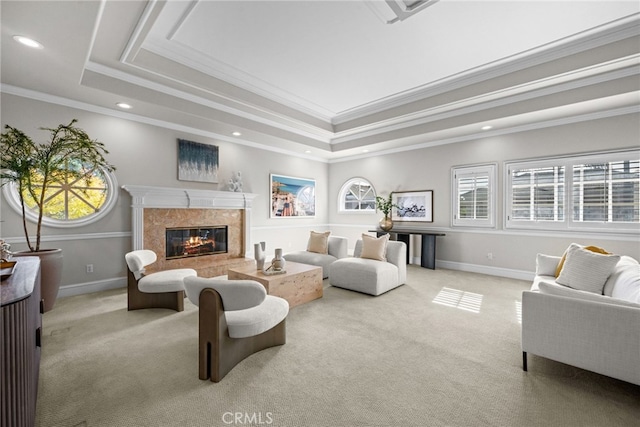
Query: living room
<point>144,150</point>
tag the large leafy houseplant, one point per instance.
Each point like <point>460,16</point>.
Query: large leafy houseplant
<point>69,156</point>
<point>35,167</point>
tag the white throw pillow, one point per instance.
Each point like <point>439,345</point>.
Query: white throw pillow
<point>586,270</point>
<point>624,282</point>
<point>546,264</point>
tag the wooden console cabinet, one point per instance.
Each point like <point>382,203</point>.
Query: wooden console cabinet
<point>21,337</point>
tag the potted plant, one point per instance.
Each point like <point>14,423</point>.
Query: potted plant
<point>34,168</point>
<point>385,206</point>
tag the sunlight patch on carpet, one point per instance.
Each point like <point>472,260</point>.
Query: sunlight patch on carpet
<point>468,301</point>
<point>519,311</point>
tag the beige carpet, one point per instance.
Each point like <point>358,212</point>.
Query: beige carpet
<point>399,359</point>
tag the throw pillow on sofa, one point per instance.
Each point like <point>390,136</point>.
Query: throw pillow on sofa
<point>374,248</point>
<point>546,265</point>
<point>586,270</point>
<point>318,242</point>
<point>624,282</point>
<point>589,248</point>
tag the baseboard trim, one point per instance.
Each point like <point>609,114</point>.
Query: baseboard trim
<point>484,269</point>
<point>89,287</point>
<point>121,282</point>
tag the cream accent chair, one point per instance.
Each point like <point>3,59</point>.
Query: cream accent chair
<point>337,248</point>
<point>161,289</point>
<point>371,276</point>
<point>236,319</point>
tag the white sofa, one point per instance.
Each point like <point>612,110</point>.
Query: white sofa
<point>592,331</point>
<point>337,248</point>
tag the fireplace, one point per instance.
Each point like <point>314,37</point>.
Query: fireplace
<point>184,242</point>
<point>154,210</point>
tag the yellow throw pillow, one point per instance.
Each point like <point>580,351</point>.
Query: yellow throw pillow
<point>319,242</point>
<point>374,248</point>
<point>589,248</point>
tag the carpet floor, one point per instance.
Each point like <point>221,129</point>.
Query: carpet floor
<point>442,350</point>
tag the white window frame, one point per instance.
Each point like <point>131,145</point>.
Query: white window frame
<point>10,191</point>
<point>567,223</point>
<point>476,171</point>
<point>343,193</point>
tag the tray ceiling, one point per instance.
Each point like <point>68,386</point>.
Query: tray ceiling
<point>330,77</point>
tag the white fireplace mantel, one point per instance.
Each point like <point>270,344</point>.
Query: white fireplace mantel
<point>146,197</point>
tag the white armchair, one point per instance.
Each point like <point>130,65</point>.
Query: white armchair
<point>161,289</point>
<point>236,319</point>
<point>371,276</point>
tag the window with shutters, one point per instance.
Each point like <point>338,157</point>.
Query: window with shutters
<point>599,192</point>
<point>473,196</point>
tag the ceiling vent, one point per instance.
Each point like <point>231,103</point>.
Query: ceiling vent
<point>392,11</point>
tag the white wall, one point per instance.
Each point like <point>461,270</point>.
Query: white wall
<point>430,169</point>
<point>146,155</point>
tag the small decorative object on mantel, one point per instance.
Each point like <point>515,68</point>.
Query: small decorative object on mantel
<point>235,182</point>
<point>258,252</point>
<point>385,205</point>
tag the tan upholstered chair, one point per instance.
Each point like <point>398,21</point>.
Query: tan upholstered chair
<point>162,289</point>
<point>236,319</point>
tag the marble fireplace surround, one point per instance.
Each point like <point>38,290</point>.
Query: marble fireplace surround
<point>154,209</point>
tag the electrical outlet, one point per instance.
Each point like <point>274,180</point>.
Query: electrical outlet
<point>89,268</point>
<point>489,255</point>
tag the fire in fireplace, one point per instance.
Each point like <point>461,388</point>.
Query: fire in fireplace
<point>196,241</point>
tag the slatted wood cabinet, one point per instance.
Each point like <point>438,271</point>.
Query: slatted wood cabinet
<point>21,337</point>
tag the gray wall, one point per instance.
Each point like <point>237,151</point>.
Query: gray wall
<point>430,169</point>
<point>146,155</point>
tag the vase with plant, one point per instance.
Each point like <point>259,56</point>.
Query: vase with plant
<point>34,167</point>
<point>385,205</point>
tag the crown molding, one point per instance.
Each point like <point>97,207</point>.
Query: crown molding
<point>634,109</point>
<point>83,106</point>
<point>277,120</point>
<point>601,73</point>
<point>616,31</point>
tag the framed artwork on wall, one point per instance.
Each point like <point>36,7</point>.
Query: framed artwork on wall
<point>197,162</point>
<point>412,206</point>
<point>292,197</point>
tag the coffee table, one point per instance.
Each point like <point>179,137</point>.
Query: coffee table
<point>300,284</point>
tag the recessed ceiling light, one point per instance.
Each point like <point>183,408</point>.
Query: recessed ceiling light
<point>124,105</point>
<point>28,42</point>
<point>236,133</point>
<point>486,127</point>
<point>365,151</point>
<point>307,151</point>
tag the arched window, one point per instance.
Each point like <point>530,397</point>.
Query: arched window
<point>357,195</point>
<point>70,202</point>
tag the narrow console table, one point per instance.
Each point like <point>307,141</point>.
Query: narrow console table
<point>21,339</point>
<point>428,250</point>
